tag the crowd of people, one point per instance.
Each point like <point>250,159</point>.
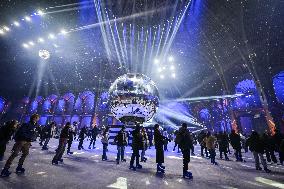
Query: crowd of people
<point>142,139</point>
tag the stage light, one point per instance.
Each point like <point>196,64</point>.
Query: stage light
<point>28,19</point>
<point>172,67</point>
<point>44,54</point>
<point>156,61</point>
<point>2,32</point>
<point>40,12</point>
<point>51,36</point>
<point>25,45</point>
<point>40,40</point>
<point>162,76</point>
<point>63,32</point>
<point>171,59</point>
<point>31,43</point>
<point>173,75</point>
<point>6,28</point>
<point>160,70</point>
<point>16,23</point>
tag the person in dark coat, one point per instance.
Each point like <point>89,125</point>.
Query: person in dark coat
<point>223,142</point>
<point>236,144</point>
<point>93,133</point>
<point>176,140</point>
<point>256,146</point>
<point>105,138</point>
<point>281,152</point>
<point>82,134</point>
<point>121,141</point>
<point>185,146</point>
<point>159,144</point>
<point>71,137</point>
<point>47,132</point>
<point>200,139</point>
<point>144,144</point>
<point>277,139</point>
<point>136,146</point>
<point>6,133</point>
<point>23,137</point>
<point>150,137</point>
<point>269,147</point>
<point>64,135</point>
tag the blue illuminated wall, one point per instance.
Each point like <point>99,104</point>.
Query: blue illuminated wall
<point>278,84</point>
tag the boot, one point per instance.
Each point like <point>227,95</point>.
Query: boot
<point>61,160</point>
<point>258,168</point>
<point>69,152</point>
<point>5,172</point>
<point>132,167</point>
<point>117,161</point>
<point>90,147</point>
<point>267,170</point>
<point>123,160</point>
<point>139,166</point>
<point>44,148</point>
<point>187,174</point>
<point>20,169</point>
<point>160,169</point>
<point>54,162</point>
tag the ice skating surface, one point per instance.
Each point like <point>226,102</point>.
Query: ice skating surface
<point>84,169</point>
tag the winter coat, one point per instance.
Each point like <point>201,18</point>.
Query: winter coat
<point>105,137</point>
<point>6,133</point>
<point>210,142</point>
<point>82,133</point>
<point>235,141</point>
<point>137,139</point>
<point>185,139</point>
<point>144,140</point>
<point>94,132</point>
<point>223,142</point>
<point>159,143</point>
<point>47,131</point>
<point>268,142</point>
<point>121,138</point>
<point>65,132</point>
<point>27,132</point>
<point>255,144</point>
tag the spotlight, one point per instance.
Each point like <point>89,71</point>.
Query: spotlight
<point>6,28</point>
<point>40,12</point>
<point>44,54</point>
<point>172,67</point>
<point>2,32</point>
<point>40,40</point>
<point>25,45</point>
<point>162,76</point>
<point>51,36</point>
<point>171,59</point>
<point>28,19</point>
<point>31,43</point>
<point>173,75</point>
<point>63,32</point>
<point>156,61</point>
<point>16,23</point>
<point>160,70</point>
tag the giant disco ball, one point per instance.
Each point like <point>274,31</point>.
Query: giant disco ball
<point>133,98</point>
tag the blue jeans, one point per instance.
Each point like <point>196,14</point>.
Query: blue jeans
<point>120,153</point>
<point>212,155</point>
<point>104,151</point>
